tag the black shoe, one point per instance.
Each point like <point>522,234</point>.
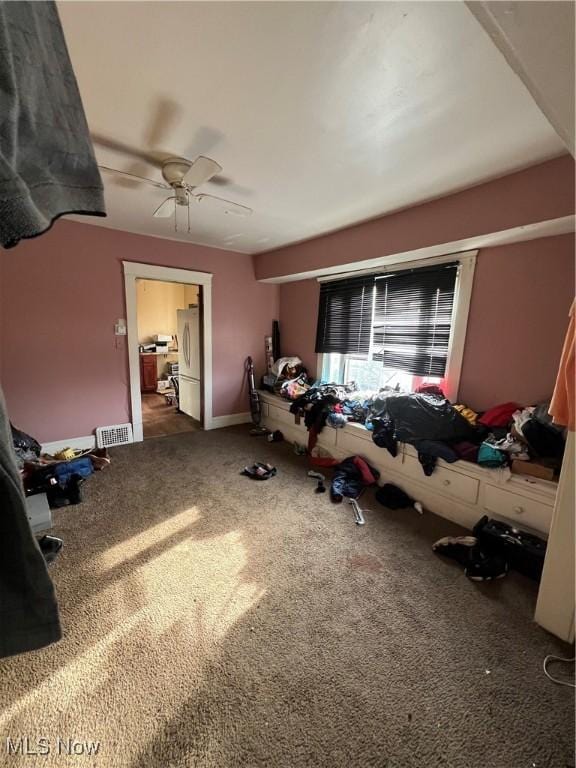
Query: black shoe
<point>50,546</point>
<point>259,471</point>
<point>459,548</point>
<point>483,567</point>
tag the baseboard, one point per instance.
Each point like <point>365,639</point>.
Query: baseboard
<point>231,420</point>
<point>82,443</point>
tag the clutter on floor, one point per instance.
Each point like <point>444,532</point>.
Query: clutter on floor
<point>259,471</point>
<point>478,564</point>
<point>389,495</point>
<point>60,475</point>
<point>350,478</point>
<point>523,551</point>
<point>358,514</point>
<point>320,488</point>
<point>493,548</point>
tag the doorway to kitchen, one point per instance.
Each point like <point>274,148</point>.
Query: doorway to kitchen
<point>169,344</point>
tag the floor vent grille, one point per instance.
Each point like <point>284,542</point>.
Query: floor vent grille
<point>117,434</point>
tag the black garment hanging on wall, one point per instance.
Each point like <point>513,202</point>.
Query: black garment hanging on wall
<point>47,169</point>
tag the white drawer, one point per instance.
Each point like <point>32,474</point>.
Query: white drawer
<point>350,443</point>
<point>519,509</point>
<point>281,416</point>
<point>444,481</point>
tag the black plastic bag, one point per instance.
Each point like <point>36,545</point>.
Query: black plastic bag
<point>523,551</point>
<point>427,417</point>
<point>26,447</point>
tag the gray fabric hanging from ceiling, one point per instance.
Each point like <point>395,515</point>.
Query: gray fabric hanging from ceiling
<point>47,165</point>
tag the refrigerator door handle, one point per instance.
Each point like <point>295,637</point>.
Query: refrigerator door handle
<point>186,345</point>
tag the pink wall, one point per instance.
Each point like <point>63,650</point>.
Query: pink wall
<point>62,374</point>
<point>516,326</point>
<point>298,317</point>
<point>540,193</point>
<point>518,318</point>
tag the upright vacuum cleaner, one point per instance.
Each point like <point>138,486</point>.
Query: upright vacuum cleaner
<point>255,405</point>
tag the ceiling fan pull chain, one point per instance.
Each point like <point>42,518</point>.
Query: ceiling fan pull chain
<point>188,208</point>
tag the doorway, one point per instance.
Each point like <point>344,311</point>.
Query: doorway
<point>169,349</point>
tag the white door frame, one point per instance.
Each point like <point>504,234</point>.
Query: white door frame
<point>134,270</point>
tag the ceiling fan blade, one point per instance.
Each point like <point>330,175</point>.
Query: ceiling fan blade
<point>201,170</point>
<point>164,118</point>
<point>154,157</point>
<point>166,209</point>
<point>134,177</point>
<point>227,205</point>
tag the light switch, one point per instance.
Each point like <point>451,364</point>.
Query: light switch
<point>120,328</point>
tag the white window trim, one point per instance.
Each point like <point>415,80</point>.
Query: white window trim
<point>134,270</point>
<point>460,311</point>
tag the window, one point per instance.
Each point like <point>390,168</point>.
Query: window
<point>402,327</point>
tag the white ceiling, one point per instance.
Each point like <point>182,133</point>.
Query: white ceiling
<point>321,114</point>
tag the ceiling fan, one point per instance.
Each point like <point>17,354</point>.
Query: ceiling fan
<point>182,177</point>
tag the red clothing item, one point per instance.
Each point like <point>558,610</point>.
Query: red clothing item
<point>367,476</point>
<point>500,415</point>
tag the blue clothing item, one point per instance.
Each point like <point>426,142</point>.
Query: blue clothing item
<point>490,457</point>
<point>336,420</point>
<point>82,466</point>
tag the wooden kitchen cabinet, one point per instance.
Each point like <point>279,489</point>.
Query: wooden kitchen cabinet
<point>148,374</point>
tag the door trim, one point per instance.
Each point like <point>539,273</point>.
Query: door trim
<point>134,270</point>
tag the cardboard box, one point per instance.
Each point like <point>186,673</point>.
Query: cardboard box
<point>533,469</point>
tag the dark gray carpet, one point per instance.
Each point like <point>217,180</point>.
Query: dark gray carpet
<point>215,621</point>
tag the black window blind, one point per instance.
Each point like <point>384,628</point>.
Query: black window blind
<point>412,319</point>
<point>345,316</point>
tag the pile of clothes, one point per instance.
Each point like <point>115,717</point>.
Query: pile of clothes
<point>287,378</point>
<point>350,478</point>
<point>60,476</point>
<point>437,429</point>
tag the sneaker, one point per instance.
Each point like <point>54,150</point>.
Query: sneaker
<point>459,548</point>
<point>483,567</point>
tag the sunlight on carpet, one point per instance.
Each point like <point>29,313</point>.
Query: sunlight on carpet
<point>152,536</point>
<point>189,597</point>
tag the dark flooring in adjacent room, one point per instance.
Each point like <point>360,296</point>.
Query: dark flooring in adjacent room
<point>160,419</point>
<point>219,622</point>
